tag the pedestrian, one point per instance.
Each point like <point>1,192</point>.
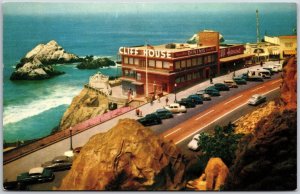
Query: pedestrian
<point>211,80</point>
<point>167,100</point>
<point>141,114</point>
<point>137,111</point>
<point>261,63</point>
<point>152,99</point>
<point>158,98</point>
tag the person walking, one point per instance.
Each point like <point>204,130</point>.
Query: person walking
<point>167,100</point>
<point>211,80</point>
<point>158,98</point>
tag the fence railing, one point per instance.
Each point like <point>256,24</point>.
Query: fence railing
<point>24,150</point>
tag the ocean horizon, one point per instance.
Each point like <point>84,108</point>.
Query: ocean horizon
<point>33,108</point>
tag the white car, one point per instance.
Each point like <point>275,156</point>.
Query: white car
<point>257,99</point>
<point>176,108</point>
<point>279,66</point>
<point>193,145</point>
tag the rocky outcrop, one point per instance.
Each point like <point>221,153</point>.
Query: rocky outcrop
<point>214,177</point>
<point>267,159</point>
<point>37,63</point>
<point>127,157</point>
<point>86,105</point>
<point>90,63</point>
<point>289,86</point>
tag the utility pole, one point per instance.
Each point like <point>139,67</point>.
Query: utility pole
<point>146,70</point>
<point>257,28</point>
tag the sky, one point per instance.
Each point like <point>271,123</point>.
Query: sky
<point>71,8</point>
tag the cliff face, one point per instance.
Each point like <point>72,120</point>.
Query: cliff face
<point>266,159</point>
<point>127,157</point>
<point>36,64</point>
<point>86,105</point>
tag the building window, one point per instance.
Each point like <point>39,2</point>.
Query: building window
<point>126,60</point>
<point>213,58</point>
<point>177,65</point>
<point>200,60</point>
<point>166,64</point>
<point>194,61</point>
<point>158,64</point>
<point>151,63</point>
<point>288,44</point>
<point>136,61</point>
<point>177,80</point>
<point>183,64</point>
<point>182,79</point>
<point>205,59</point>
<point>138,76</point>
<point>189,63</point>
<point>209,59</point>
<point>132,73</point>
<point>126,72</point>
<point>189,77</point>
<point>131,61</point>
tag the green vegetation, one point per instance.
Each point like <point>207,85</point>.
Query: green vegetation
<point>223,144</point>
<point>90,63</point>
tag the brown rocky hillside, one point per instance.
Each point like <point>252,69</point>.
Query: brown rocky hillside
<point>127,157</point>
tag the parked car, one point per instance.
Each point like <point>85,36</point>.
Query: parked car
<point>212,91</point>
<point>36,175</point>
<point>176,108</point>
<point>203,95</point>
<point>230,83</point>
<point>244,76</point>
<point>270,69</point>
<point>257,99</point>
<point>58,163</point>
<point>221,87</point>
<point>195,99</point>
<point>164,113</point>
<point>240,80</point>
<point>193,144</point>
<point>188,103</point>
<point>150,119</point>
<point>14,186</point>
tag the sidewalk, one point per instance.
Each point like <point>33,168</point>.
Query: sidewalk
<point>148,108</point>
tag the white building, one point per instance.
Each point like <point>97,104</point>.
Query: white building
<point>100,82</point>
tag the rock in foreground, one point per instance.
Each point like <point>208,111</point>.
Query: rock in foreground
<point>127,157</point>
<point>37,63</point>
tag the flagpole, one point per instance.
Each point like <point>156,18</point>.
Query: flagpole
<point>146,69</point>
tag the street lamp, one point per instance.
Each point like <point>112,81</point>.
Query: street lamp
<point>175,85</point>
<point>71,146</point>
<point>233,69</point>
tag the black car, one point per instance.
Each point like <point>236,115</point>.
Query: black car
<point>212,91</point>
<point>195,99</point>
<point>59,163</point>
<point>187,102</point>
<point>14,186</point>
<point>36,175</point>
<point>164,113</point>
<point>150,119</point>
<point>221,87</point>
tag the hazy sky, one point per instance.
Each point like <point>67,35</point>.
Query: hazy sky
<point>42,8</point>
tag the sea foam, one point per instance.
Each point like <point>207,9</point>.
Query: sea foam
<point>59,96</point>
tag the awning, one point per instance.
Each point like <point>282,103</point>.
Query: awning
<point>275,52</point>
<point>235,57</point>
<point>289,52</point>
<point>127,79</point>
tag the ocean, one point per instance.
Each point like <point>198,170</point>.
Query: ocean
<point>33,108</point>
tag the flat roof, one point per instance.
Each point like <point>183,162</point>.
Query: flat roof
<point>179,47</point>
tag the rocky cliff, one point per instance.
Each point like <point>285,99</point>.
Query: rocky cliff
<point>37,63</point>
<point>86,105</point>
<point>266,158</point>
<point>127,157</point>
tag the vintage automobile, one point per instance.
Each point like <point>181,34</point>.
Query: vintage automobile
<point>187,102</point>
<point>164,113</point>
<point>150,119</point>
<point>230,83</point>
<point>36,175</point>
<point>212,91</point>
<point>240,80</point>
<point>193,144</point>
<point>221,87</point>
<point>257,99</point>
<point>58,163</point>
<point>176,108</point>
<point>195,99</point>
<point>203,95</point>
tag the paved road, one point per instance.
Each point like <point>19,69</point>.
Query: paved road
<point>12,169</point>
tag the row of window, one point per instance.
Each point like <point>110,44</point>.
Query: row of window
<point>188,77</point>
<point>132,74</point>
<point>151,63</point>
<point>195,61</point>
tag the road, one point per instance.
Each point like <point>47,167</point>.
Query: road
<point>229,107</point>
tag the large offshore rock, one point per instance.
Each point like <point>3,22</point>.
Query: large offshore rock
<point>127,157</point>
<point>37,63</point>
<point>86,105</point>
